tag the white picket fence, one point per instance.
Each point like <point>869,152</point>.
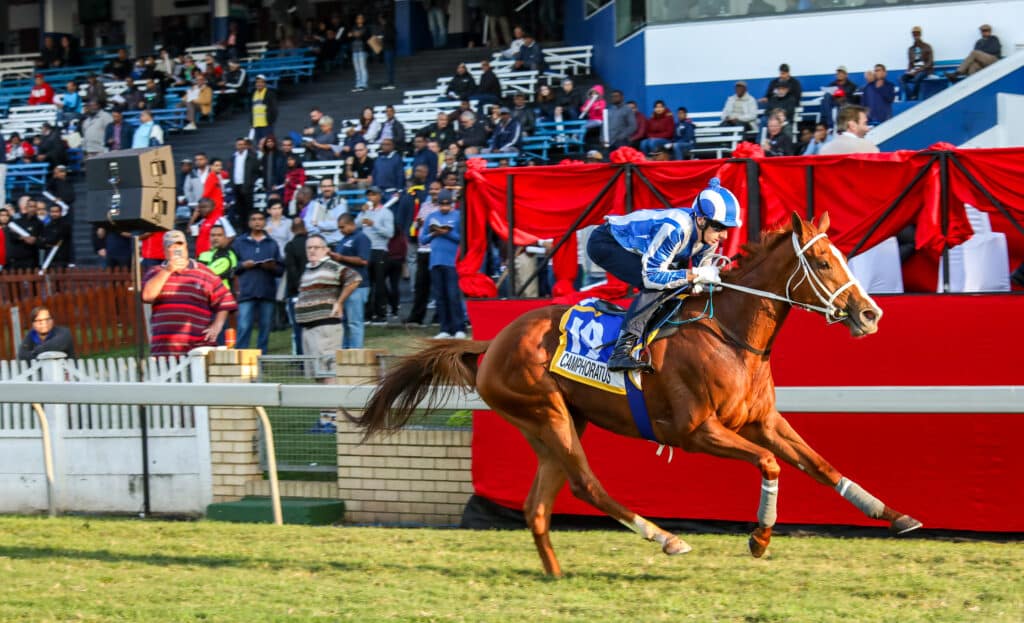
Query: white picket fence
<point>97,448</point>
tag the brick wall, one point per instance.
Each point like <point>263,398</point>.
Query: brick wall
<point>234,432</point>
<point>417,476</point>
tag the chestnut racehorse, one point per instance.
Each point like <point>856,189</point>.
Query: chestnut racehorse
<point>712,390</point>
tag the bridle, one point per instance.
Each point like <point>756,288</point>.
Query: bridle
<point>805,273</point>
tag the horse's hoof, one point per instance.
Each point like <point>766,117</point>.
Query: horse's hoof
<point>904,524</point>
<point>675,546</point>
<point>758,541</point>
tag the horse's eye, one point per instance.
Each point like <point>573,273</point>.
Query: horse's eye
<point>823,265</point>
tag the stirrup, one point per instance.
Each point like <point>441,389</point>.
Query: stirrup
<point>622,359</point>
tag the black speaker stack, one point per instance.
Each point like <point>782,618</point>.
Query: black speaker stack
<point>132,189</point>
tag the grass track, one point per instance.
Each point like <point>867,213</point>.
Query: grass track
<point>78,569</point>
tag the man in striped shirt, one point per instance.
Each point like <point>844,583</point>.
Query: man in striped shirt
<point>323,288</point>
<point>190,303</point>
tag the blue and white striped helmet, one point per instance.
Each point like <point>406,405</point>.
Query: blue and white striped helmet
<point>718,204</point>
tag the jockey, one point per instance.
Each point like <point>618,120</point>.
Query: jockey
<point>650,249</point>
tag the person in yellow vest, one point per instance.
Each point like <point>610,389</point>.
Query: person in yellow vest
<point>220,258</point>
<point>264,110</point>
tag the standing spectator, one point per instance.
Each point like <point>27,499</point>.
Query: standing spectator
<point>220,258</point>
<point>321,215</point>
<point>987,50</point>
<point>437,18</point>
<point>441,232</point>
<point>852,122</point>
<point>41,93</point>
<point>621,121</point>
<point>741,109</point>
<point>5,235</point>
<point>496,16</point>
<point>198,99</point>
<point>294,264</point>
<point>776,142</point>
<point>324,287</point>
<point>278,227</point>
<point>272,166</point>
<point>94,129</point>
<point>118,132</point>
<point>354,252</point>
<point>392,128</point>
<point>841,81</point>
<point>357,37</point>
<point>56,234</point>
<point>325,143</point>
<point>45,337</point>
<point>259,265</point>
<point>149,133</point>
<point>264,109</point>
<point>22,247</point>
<point>685,137</point>
<point>294,178</point>
<point>389,168</point>
<point>190,304</point>
<point>378,223</point>
<point>462,85</point>
<point>195,180</point>
<point>359,168</point>
<point>660,128</point>
<point>517,43</point>
<point>244,169</point>
<point>530,56</point>
<point>386,36</point>
<point>421,284</point>
<point>117,247</point>
<point>61,188</point>
<point>3,173</point>
<point>920,63</point>
<point>878,95</point>
<point>488,90</point>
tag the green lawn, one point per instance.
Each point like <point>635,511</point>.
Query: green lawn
<point>79,569</point>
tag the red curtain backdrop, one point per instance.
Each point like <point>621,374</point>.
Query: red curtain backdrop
<point>948,470</point>
<point>855,190</point>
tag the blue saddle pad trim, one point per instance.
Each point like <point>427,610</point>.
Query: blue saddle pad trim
<point>638,408</point>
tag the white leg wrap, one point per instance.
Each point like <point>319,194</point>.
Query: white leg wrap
<point>766,513</point>
<point>854,494</point>
<point>646,529</point>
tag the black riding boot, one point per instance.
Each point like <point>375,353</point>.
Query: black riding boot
<point>640,312</point>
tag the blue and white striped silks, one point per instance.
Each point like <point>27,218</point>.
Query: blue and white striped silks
<point>662,238</point>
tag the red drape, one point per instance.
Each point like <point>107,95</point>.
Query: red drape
<point>856,190</point>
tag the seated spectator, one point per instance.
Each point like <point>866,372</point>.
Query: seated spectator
<point>741,109</point>
<point>841,81</point>
<point>120,67</point>
<point>95,91</point>
<point>294,177</point>
<point>793,86</point>
<point>50,147</point>
<point>392,128</point>
<point>353,136</point>
<point>211,69</point>
<point>389,168</point>
<point>660,129</point>
<point>41,93</point>
<point>461,85</point>
<point>530,57</point>
<point>593,108</point>
<point>920,63</point>
<point>545,103</point>
<point>818,139</point>
<point>488,90</point>
<point>70,103</point>
<point>782,98</point>
<point>569,98</point>
<point>455,116</point>
<point>441,131</point>
<point>325,144</point>
<point>149,133</point>
<point>852,123</point>
<point>314,120</point>
<point>522,113</point>
<point>69,54</point>
<point>369,127</point>
<point>359,168</point>
<point>49,56</point>
<point>685,137</point>
<point>472,135</point>
<point>153,96</point>
<point>507,134</point>
<point>987,50</point>
<point>198,99</point>
<point>878,95</point>
<point>131,98</point>
<point>776,142</point>
<point>190,304</point>
<point>45,337</point>
<point>234,85</point>
<point>18,150</point>
<point>640,132</point>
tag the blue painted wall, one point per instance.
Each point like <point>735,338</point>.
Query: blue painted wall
<point>960,121</point>
<point>620,67</point>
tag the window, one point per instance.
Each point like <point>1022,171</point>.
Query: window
<point>662,12</point>
<point>593,6</point>
<point>630,16</point>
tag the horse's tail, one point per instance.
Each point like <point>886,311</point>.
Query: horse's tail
<point>432,374</point>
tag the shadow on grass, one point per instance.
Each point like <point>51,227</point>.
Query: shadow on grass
<point>221,562</point>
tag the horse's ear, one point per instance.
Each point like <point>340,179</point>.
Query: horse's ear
<point>824,223</point>
<point>798,224</point>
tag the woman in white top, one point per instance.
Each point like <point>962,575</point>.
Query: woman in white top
<point>278,227</point>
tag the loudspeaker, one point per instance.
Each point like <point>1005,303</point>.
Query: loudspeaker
<point>132,189</point>
<point>131,209</point>
<point>152,167</point>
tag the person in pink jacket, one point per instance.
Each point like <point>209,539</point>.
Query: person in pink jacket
<point>592,109</point>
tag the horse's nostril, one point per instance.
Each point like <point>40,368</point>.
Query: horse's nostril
<point>869,315</point>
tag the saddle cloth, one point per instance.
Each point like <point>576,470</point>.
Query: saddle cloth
<point>587,334</point>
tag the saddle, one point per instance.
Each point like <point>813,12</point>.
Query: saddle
<point>658,327</point>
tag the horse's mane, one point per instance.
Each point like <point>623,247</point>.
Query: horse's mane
<point>753,253</point>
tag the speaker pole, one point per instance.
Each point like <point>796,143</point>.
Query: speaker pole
<point>140,362</point>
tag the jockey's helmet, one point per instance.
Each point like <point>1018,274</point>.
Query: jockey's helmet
<point>718,204</point>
